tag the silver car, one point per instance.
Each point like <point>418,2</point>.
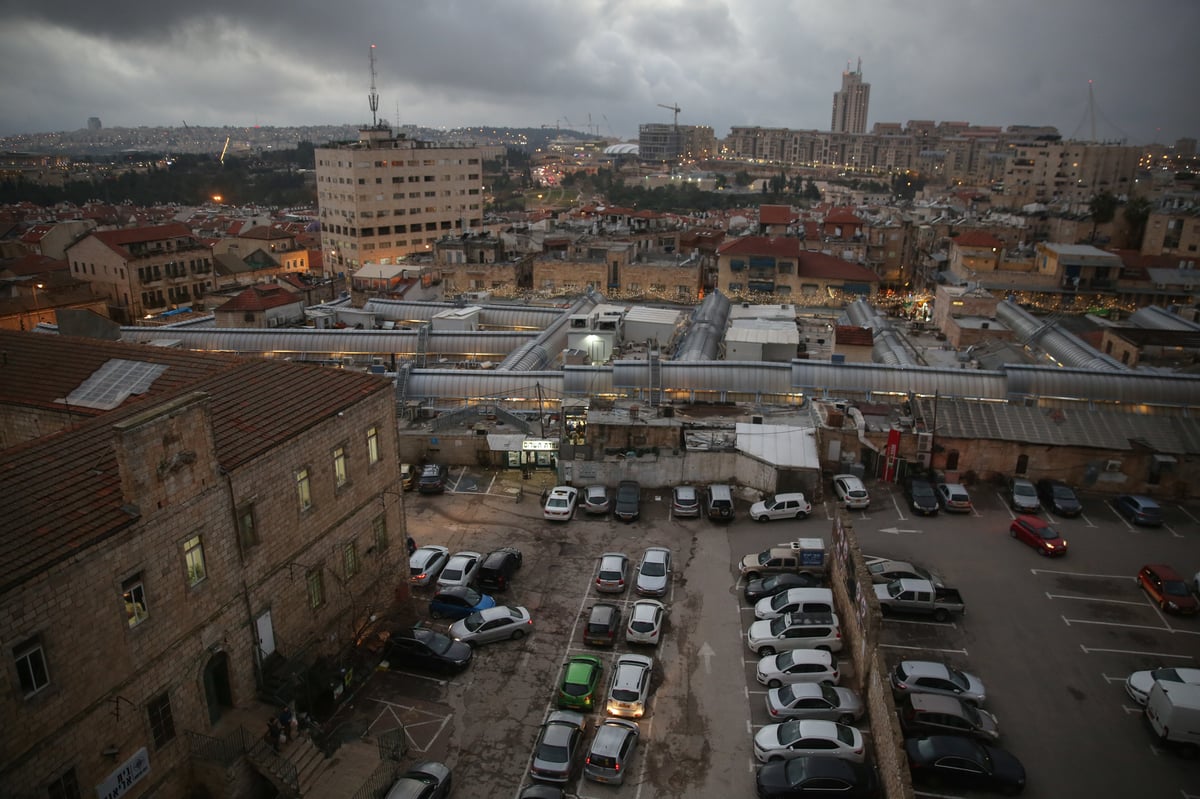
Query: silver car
<point>630,688</point>
<point>811,700</point>
<point>645,622</point>
<point>460,569</point>
<point>611,751</point>
<point>931,677</point>
<point>499,623</point>
<point>554,753</point>
<point>803,737</point>
<point>426,564</point>
<point>614,569</point>
<point>685,502</point>
<point>654,572</point>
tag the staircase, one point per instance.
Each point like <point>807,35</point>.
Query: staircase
<point>294,769</point>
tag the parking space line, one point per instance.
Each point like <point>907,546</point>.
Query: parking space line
<point>1087,650</point>
<point>1096,599</point>
<point>1134,709</point>
<point>925,649</point>
<point>1069,622</point>
<point>949,624</point>
<point>1085,574</point>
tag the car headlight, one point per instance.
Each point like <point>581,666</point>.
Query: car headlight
<point>1172,605</point>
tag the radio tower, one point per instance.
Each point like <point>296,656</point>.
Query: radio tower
<point>373,97</point>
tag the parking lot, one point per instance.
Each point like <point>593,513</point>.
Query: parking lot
<point>1053,639</point>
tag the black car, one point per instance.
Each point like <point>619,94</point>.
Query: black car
<point>428,779</point>
<point>964,762</point>
<point>425,650</point>
<point>777,583</point>
<point>602,625</point>
<point>816,775</point>
<point>432,479</point>
<point>1139,509</point>
<point>921,496</point>
<point>1058,497</point>
<point>497,569</point>
<point>628,495</point>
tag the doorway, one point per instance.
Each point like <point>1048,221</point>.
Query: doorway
<point>217,693</point>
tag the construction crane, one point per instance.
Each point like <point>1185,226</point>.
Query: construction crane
<point>225,149</point>
<point>674,108</point>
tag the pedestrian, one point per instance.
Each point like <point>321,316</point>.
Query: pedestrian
<point>290,726</point>
<point>412,546</point>
<point>274,733</point>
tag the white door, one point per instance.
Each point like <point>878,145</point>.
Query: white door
<point>266,635</point>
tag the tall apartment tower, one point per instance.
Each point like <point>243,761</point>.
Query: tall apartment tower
<point>850,104</point>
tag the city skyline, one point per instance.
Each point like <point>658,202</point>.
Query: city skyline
<point>603,66</point>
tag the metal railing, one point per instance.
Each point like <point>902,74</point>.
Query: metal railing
<point>264,755</point>
<point>381,780</point>
<point>219,750</point>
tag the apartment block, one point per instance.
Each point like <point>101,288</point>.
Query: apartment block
<point>385,197</point>
<point>201,525</point>
<point>781,266</point>
<point>851,103</point>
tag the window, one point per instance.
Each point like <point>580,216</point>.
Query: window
<point>31,667</point>
<point>303,489</point>
<point>350,558</point>
<point>162,724</point>
<point>247,529</point>
<point>133,591</point>
<point>193,557</point>
<point>65,786</point>
<point>372,445</point>
<point>339,467</point>
<point>379,528</point>
<point>316,590</point>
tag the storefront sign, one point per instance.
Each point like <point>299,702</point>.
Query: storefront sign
<point>539,444</point>
<point>125,777</point>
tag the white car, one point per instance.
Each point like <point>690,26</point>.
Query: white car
<point>798,665</point>
<point>795,631</point>
<point>499,623</point>
<point>794,600</point>
<point>810,700</point>
<point>654,572</point>
<point>851,492</point>
<point>630,688</point>
<point>1138,684</point>
<point>645,622</point>
<point>460,569</point>
<point>560,504</point>
<point>780,506</point>
<point>884,570</point>
<point>425,564</point>
<point>808,737</point>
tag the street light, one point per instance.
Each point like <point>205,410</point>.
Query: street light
<point>37,308</point>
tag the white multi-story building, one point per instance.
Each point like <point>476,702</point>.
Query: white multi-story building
<point>850,104</point>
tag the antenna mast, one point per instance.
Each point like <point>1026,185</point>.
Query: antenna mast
<point>373,97</point>
<point>1092,109</point>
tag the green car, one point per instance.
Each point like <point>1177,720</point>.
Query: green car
<point>580,678</point>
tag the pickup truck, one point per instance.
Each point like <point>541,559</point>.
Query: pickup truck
<point>803,556</point>
<point>919,596</point>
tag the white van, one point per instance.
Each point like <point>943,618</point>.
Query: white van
<point>1173,710</point>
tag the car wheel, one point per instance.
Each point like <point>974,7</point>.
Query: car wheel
<point>801,514</point>
<point>774,759</point>
<point>941,615</point>
<point>752,575</point>
<point>846,718</point>
<point>762,518</point>
<point>766,650</point>
<point>433,614</point>
<point>773,683</point>
<point>518,635</point>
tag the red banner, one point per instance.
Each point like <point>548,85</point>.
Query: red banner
<point>892,456</point>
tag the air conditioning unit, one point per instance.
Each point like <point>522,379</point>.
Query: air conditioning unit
<point>924,442</point>
<point>924,458</point>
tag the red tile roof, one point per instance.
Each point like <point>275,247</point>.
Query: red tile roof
<point>842,216</point>
<point>776,215</point>
<point>778,246</point>
<point>827,267</point>
<point>118,240</point>
<point>260,298</point>
<point>977,238</point>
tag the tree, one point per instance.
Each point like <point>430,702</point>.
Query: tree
<point>1137,213</point>
<point>1104,208</point>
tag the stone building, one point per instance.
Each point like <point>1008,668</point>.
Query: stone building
<point>178,529</point>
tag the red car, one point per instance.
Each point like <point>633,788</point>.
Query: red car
<point>1039,534</point>
<point>1168,590</point>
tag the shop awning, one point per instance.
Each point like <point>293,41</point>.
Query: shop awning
<point>505,442</point>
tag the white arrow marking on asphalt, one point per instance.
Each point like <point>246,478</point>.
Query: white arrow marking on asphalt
<point>896,531</point>
<point>707,652</point>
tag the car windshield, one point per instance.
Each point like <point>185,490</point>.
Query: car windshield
<point>1175,588</point>
<point>654,568</point>
<point>624,694</point>
<point>786,695</point>
<point>845,734</point>
<point>1062,492</point>
<point>764,557</point>
<point>830,695</point>
<point>557,502</point>
<point>958,678</point>
<point>972,715</point>
<point>789,732</point>
<point>1166,675</point>
<point>785,660</point>
<point>451,573</point>
<point>1022,490</point>
<point>642,625</point>
<point>438,644</point>
<point>780,601</point>
<point>922,490</point>
<point>1048,533</point>
<point>779,625</point>
<point>551,752</point>
<point>471,597</point>
<point>473,622</point>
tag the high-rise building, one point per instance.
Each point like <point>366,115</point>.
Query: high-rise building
<point>850,104</point>
<point>385,196</point>
<point>94,123</point>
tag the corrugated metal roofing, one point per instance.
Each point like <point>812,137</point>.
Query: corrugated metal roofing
<point>494,345</point>
<point>524,316</point>
<point>1063,345</point>
<point>863,378</point>
<point>737,376</point>
<point>1158,318</point>
<point>482,384</point>
<point>587,381</point>
<point>1131,387</point>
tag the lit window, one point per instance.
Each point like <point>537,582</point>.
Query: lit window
<point>134,594</point>
<point>193,556</point>
<point>303,489</point>
<point>31,667</point>
<point>316,590</point>
<point>373,445</point>
<point>339,467</point>
<point>350,558</point>
<point>162,723</point>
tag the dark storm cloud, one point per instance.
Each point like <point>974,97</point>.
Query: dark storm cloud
<point>522,62</point>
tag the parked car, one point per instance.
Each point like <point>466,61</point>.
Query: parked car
<point>612,574</point>
<point>963,762</point>
<point>761,587</point>
<point>780,506</point>
<point>810,700</point>
<point>1167,589</point>
<point>595,500</point>
<point>630,686</point>
<point>654,572</point>
<point>1139,509</point>
<point>796,666</point>
<point>560,504</point>
<point>795,631</point>
<point>628,496</point>
<point>808,737</point>
<point>425,564</point>
<point>1058,497</point>
<point>954,497</point>
<point>795,600</point>
<point>497,568</point>
<point>851,492</point>
<point>581,678</point>
<point>458,602</point>
<point>432,479</point>
<point>612,751</point>
<point>1039,534</point>
<point>934,714</point>
<point>408,476</point>
<point>685,502</point>
<point>500,623</point>
<point>645,622</point>
<point>425,650</point>
<point>536,791</point>
<point>460,569</point>
<point>816,776</point>
<point>603,622</point>
<point>427,779</point>
<point>884,570</point>
<point>557,743</point>
<point>1138,684</point>
<point>922,497</point>
<point>718,502</point>
<point>1023,496</point>
<point>931,677</point>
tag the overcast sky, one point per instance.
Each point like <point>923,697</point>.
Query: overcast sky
<point>528,63</point>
